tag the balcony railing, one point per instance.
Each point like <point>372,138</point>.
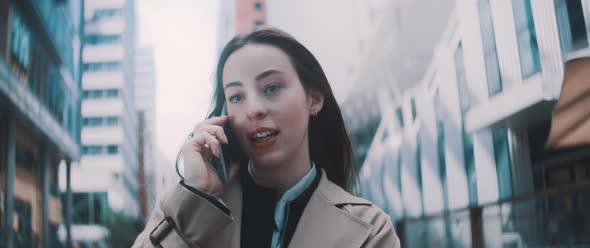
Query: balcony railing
<point>543,219</point>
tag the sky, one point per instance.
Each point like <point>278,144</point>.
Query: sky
<point>183,35</point>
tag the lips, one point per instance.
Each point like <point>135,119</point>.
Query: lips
<point>263,137</point>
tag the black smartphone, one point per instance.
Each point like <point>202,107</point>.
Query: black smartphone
<point>222,162</point>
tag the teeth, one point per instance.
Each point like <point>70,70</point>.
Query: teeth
<point>262,134</point>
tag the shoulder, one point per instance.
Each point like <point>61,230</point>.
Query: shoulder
<point>358,207</point>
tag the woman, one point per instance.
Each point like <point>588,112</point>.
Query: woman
<point>290,160</point>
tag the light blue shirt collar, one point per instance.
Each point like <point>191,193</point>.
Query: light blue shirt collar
<point>290,195</point>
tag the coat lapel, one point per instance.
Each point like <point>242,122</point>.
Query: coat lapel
<point>324,224</point>
<point>231,234</point>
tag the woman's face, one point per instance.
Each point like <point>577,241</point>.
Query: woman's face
<point>267,103</point>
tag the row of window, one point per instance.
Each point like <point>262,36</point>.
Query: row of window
<point>100,149</point>
<point>56,20</point>
<point>100,39</point>
<point>38,69</point>
<point>572,30</point>
<point>101,93</point>
<point>101,121</point>
<point>102,66</point>
<point>100,13</point>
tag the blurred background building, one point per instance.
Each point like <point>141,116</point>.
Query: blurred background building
<point>39,118</point>
<point>106,179</point>
<point>395,50</point>
<point>238,16</point>
<point>459,156</point>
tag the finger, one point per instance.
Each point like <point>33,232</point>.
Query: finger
<point>205,139</point>
<point>218,120</point>
<point>216,131</point>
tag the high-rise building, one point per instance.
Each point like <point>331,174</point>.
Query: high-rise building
<point>145,91</point>
<point>39,118</point>
<point>239,16</point>
<point>461,158</point>
<point>106,178</point>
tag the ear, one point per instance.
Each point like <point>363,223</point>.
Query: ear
<point>315,101</point>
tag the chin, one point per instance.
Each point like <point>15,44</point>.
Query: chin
<point>268,160</point>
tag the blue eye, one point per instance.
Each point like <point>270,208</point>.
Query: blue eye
<point>272,89</point>
<point>235,98</point>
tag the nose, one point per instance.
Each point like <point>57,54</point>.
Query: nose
<point>257,109</point>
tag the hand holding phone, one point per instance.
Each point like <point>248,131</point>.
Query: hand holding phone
<point>204,164</point>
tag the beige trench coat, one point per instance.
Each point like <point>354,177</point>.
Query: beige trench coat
<point>332,218</point>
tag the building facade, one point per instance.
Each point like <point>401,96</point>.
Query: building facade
<point>107,176</point>
<point>238,16</point>
<point>39,119</point>
<point>391,58</point>
<point>460,158</point>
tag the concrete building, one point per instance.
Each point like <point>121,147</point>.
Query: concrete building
<point>459,158</point>
<point>396,41</point>
<point>145,93</point>
<point>107,177</point>
<point>239,16</point>
<point>39,119</point>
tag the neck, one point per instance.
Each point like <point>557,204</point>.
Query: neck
<point>284,176</point>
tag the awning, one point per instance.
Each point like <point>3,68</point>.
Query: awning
<point>570,124</point>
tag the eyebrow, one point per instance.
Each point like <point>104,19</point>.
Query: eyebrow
<point>257,78</point>
<point>266,74</point>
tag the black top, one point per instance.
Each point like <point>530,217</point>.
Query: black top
<point>258,209</point>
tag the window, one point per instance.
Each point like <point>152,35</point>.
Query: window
<point>25,157</point>
<point>503,167</point>
<point>441,147</point>
<point>572,26</point>
<point>577,25</point>
<point>528,49</point>
<point>102,39</point>
<point>102,66</point>
<point>20,42</point>
<point>112,121</point>
<point>488,37</point>
<point>400,116</point>
<point>469,158</point>
<point>24,211</point>
<point>419,172</point>
<point>258,5</point>
<point>93,122</point>
<point>112,93</point>
<point>96,94</point>
<point>258,23</point>
<point>106,13</point>
<point>93,94</point>
<point>413,103</point>
<point>92,150</point>
<point>464,96</point>
<point>112,149</point>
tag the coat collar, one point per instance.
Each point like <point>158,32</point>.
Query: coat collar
<point>325,224</point>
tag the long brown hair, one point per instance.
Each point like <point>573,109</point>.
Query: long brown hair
<point>329,143</point>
